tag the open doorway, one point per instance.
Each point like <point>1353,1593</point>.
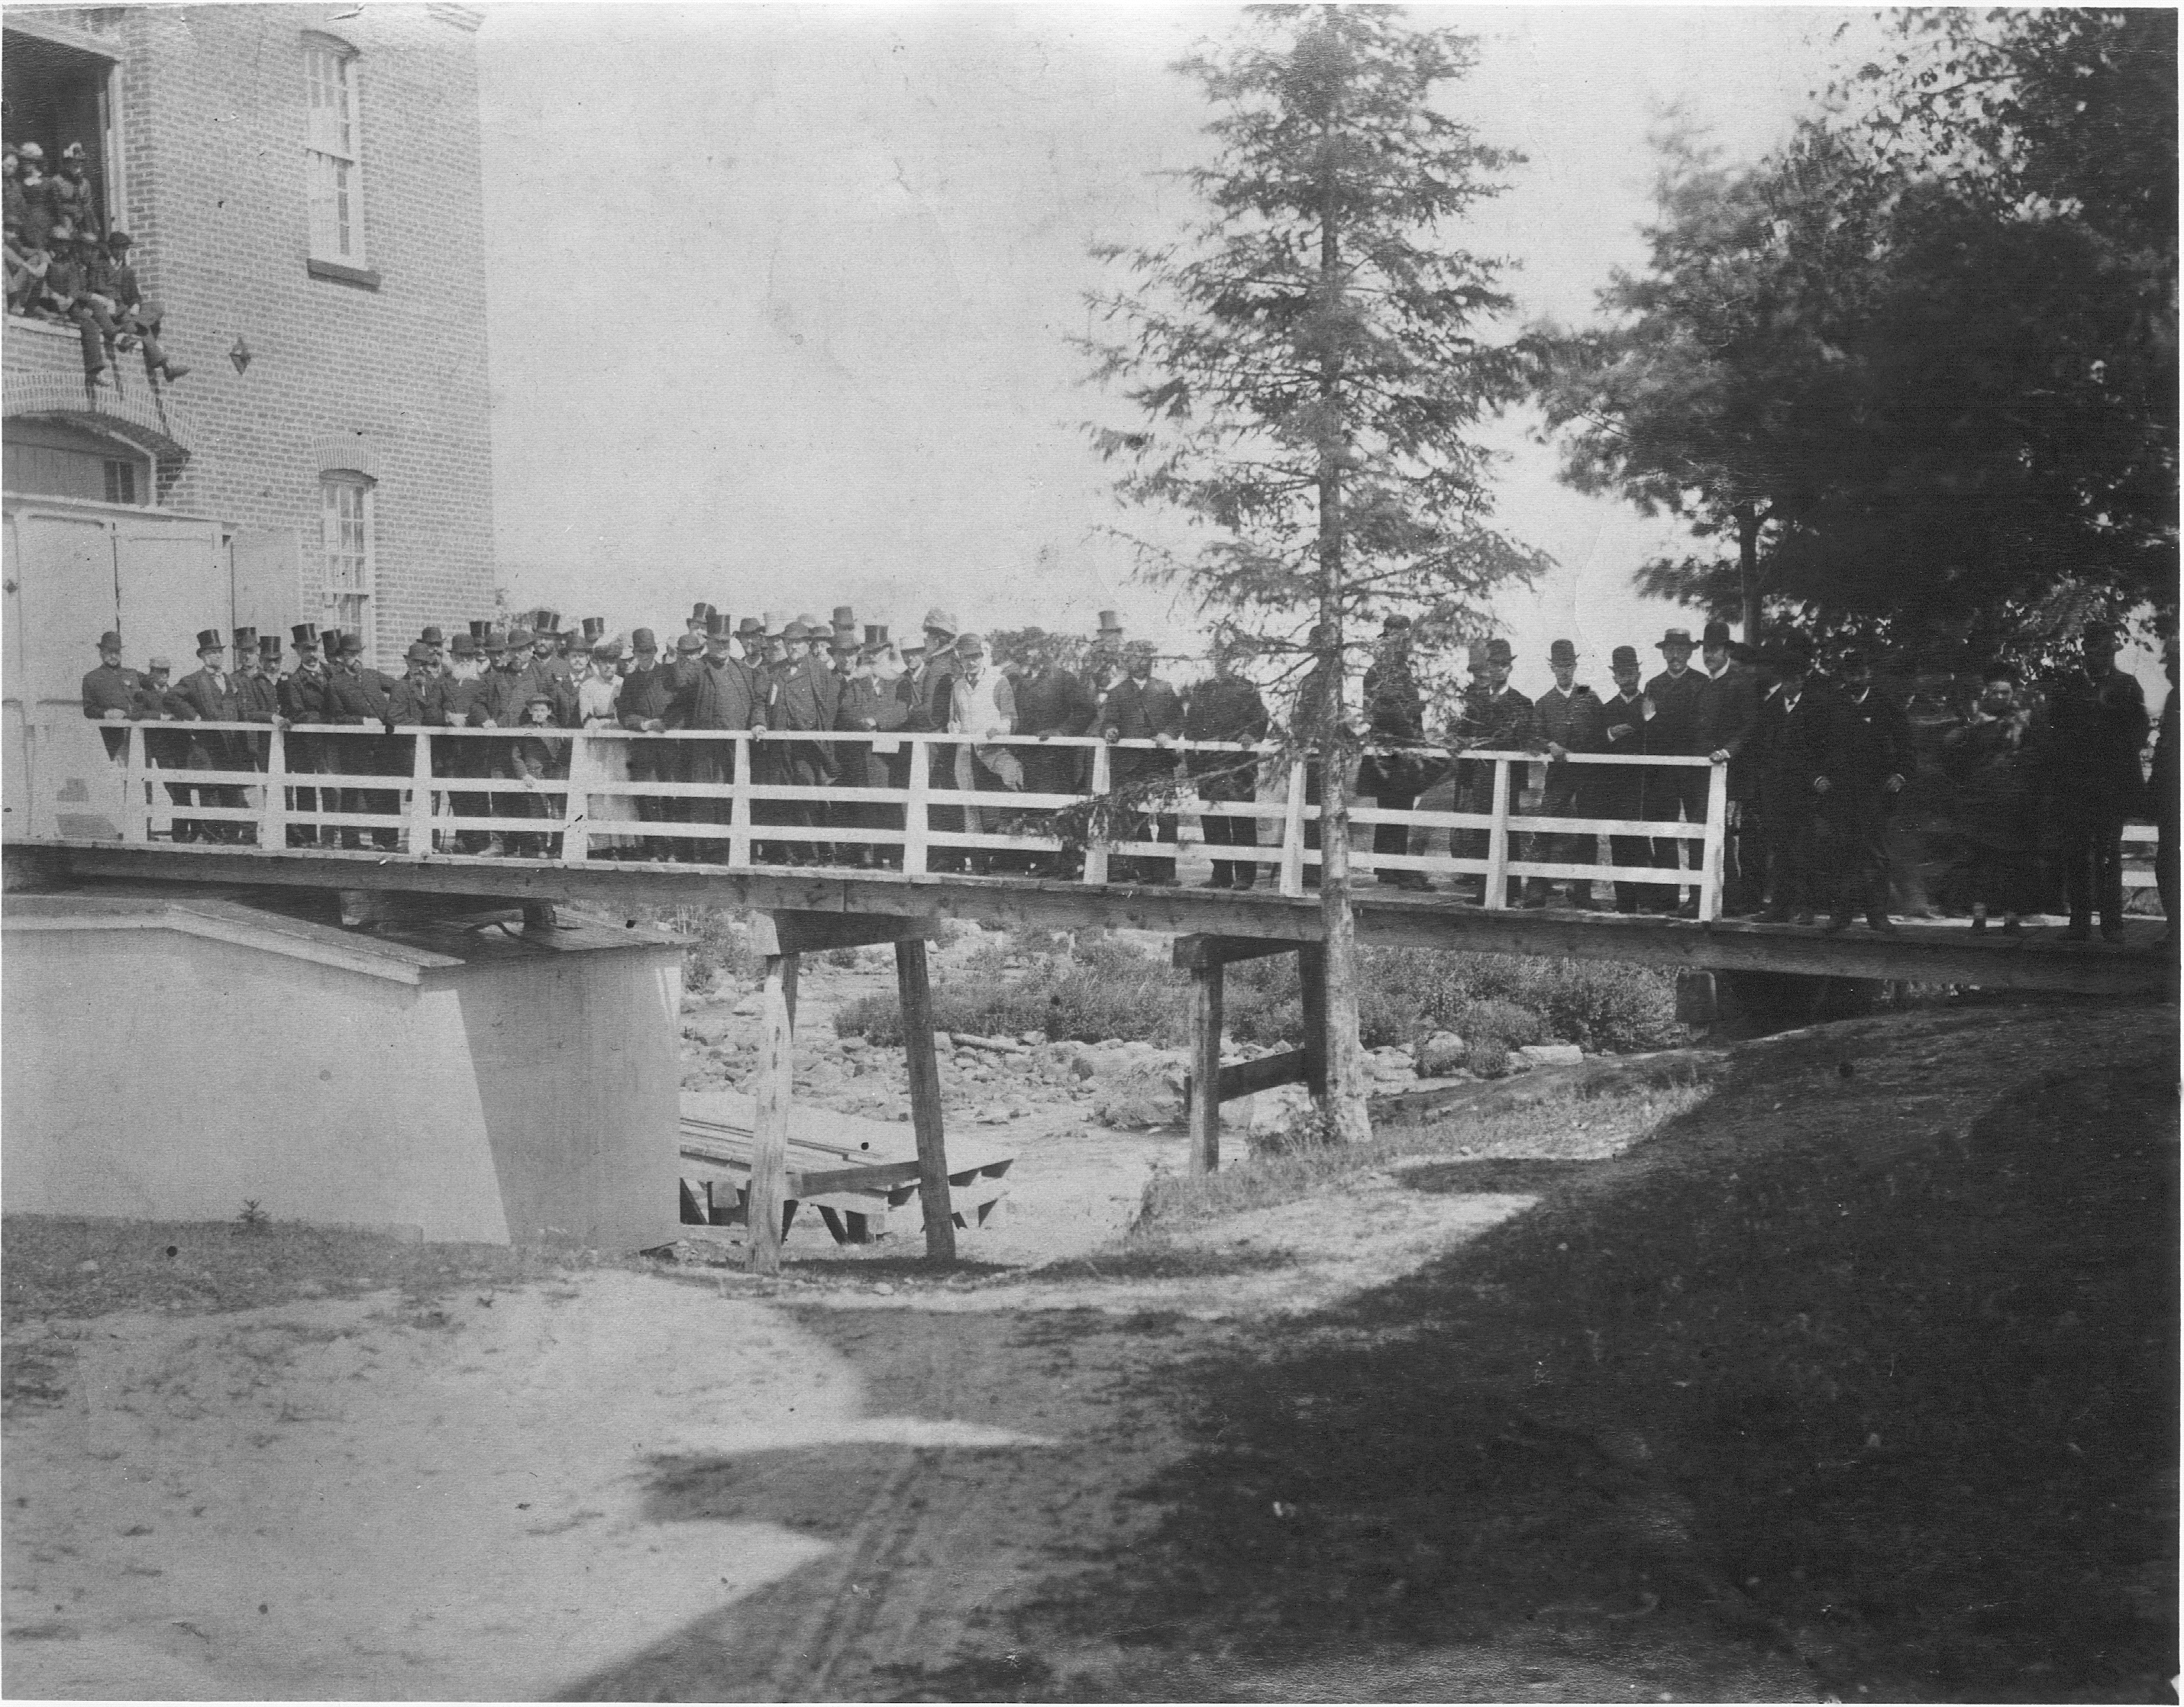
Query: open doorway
<point>57,95</point>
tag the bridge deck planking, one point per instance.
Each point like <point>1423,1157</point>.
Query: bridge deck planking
<point>1936,954</point>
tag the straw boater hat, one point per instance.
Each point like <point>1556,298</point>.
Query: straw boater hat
<point>941,622</point>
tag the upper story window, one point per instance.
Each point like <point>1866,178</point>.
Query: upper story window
<point>345,536</point>
<point>332,154</point>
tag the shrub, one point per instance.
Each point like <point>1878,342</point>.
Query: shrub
<point>719,947</point>
<point>1108,990</point>
<point>1487,1060</point>
<point>1501,1023</point>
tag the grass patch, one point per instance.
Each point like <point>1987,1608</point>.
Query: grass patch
<point>1099,988</point>
<point>1573,1126</point>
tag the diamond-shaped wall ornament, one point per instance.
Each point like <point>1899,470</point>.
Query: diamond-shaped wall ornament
<point>240,355</point>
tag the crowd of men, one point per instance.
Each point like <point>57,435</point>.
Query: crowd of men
<point>64,266</point>
<point>1814,766</point>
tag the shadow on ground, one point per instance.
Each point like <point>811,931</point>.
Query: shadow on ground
<point>1857,1379</point>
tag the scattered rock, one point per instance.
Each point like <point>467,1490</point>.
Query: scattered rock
<point>1552,1055</point>
<point>855,1046</point>
<point>1141,1093</point>
<point>1281,1119</point>
<point>710,1025</point>
<point>1441,1055</point>
<point>746,1009</point>
<point>86,1267</point>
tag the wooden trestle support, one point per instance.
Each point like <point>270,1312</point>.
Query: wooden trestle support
<point>1211,1084</point>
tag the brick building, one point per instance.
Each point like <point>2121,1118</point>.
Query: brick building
<point>303,186</point>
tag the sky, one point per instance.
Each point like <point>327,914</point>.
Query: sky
<point>780,295</point>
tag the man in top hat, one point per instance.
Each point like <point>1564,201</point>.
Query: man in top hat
<point>2088,746</point>
<point>257,693</point>
<point>302,699</point>
<point>1869,759</point>
<point>466,702</point>
<point>109,691</point>
<point>643,706</point>
<point>1796,726</point>
<point>1143,706</point>
<point>1494,718</point>
<point>1728,718</point>
<point>806,697</point>
<point>1394,716</point>
<point>1565,720</point>
<point>1677,792</point>
<point>359,694</point>
<point>725,696</point>
<point>1227,707</point>
<point>207,694</point>
<point>550,665</point>
<point>699,622</point>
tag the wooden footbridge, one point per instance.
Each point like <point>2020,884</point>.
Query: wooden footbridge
<point>424,799</point>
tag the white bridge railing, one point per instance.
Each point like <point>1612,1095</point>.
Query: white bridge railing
<point>438,793</point>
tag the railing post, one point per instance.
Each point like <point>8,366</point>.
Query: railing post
<point>914,827</point>
<point>1716,844</point>
<point>136,819</point>
<point>1292,865</point>
<point>421,795</point>
<point>1498,841</point>
<point>273,822</point>
<point>576,803</point>
<point>1095,846</point>
<point>739,801</point>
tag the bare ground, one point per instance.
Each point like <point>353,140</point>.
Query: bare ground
<point>1854,1378</point>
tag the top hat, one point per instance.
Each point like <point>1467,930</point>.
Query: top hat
<point>1622,658</point>
<point>478,627</point>
<point>519,637</point>
<point>700,611</point>
<point>687,643</point>
<point>549,623</point>
<point>109,641</point>
<point>643,639</point>
<point>330,642</point>
<point>465,646</point>
<point>876,634</point>
<point>770,624</point>
<point>1562,652</point>
<point>750,629</point>
<point>269,646</point>
<point>431,635</point>
<point>208,639</point>
<point>1717,634</point>
<point>594,627</point>
<point>1675,637</point>
<point>719,626</point>
<point>845,616</point>
<point>944,621</point>
<point>245,639</point>
<point>1110,623</point>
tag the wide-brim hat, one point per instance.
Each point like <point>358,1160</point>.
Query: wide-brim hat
<point>109,641</point>
<point>1622,658</point>
<point>941,622</point>
<point>643,640</point>
<point>812,625</point>
<point>796,630</point>
<point>1562,652</point>
<point>609,650</point>
<point>688,641</point>
<point>750,628</point>
<point>1675,637</point>
<point>29,151</point>
<point>208,639</point>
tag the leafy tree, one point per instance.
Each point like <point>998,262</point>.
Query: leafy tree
<point>1306,365</point>
<point>1920,363</point>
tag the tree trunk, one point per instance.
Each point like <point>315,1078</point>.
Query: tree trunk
<point>1343,1106</point>
<point>1748,570</point>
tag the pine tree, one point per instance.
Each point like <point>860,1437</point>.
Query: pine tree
<point>1306,365</point>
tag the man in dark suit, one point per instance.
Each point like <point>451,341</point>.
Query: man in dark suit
<point>302,699</point>
<point>1729,718</point>
<point>2089,745</point>
<point>647,696</point>
<point>109,691</point>
<point>1395,717</point>
<point>1226,707</point>
<point>208,694</point>
<point>1869,757</point>
<point>1795,727</point>
<point>1565,720</point>
<point>1618,792</point>
<point>357,693</point>
<point>1495,718</point>
<point>1141,707</point>
<point>1676,793</point>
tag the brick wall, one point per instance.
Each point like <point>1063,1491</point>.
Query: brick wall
<point>213,121</point>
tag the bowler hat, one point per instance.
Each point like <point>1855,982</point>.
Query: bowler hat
<point>73,151</point>
<point>208,639</point>
<point>970,641</point>
<point>1675,637</point>
<point>610,650</point>
<point>750,628</point>
<point>595,626</point>
<point>352,644</point>
<point>119,240</point>
<point>1500,652</point>
<point>796,630</point>
<point>687,642</point>
<point>109,641</point>
<point>30,151</point>
<point>1717,634</point>
<point>643,639</point>
<point>540,698</point>
<point>1622,658</point>
<point>812,625</point>
<point>1562,652</point>
<point>494,640</point>
<point>245,638</point>
<point>419,653</point>
<point>465,646</point>
<point>431,635</point>
<point>519,636</point>
<point>941,622</point>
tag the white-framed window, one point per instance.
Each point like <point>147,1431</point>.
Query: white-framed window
<point>330,152</point>
<point>345,542</point>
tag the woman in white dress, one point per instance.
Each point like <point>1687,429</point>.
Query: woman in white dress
<point>606,762</point>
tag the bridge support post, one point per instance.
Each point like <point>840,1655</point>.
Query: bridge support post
<point>916,994</point>
<point>1205,1066</point>
<point>777,1089</point>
